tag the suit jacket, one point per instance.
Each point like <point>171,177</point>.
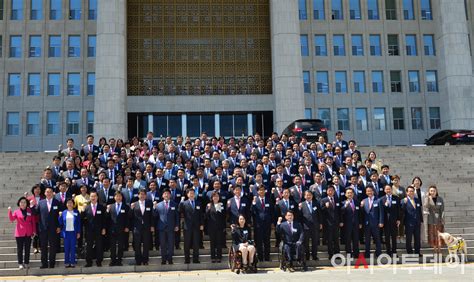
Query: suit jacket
<point>317,194</point>
<point>48,220</point>
<point>295,195</point>
<point>292,235</point>
<point>106,199</point>
<point>142,222</point>
<point>391,210</point>
<point>94,224</point>
<point>215,218</point>
<point>74,174</point>
<point>167,219</point>
<point>330,216</point>
<point>77,222</point>
<point>94,150</point>
<point>154,196</point>
<point>234,211</point>
<point>118,220</point>
<point>127,198</point>
<point>24,226</point>
<point>89,184</point>
<point>193,216</point>
<point>384,181</point>
<point>262,215</point>
<point>281,208</point>
<point>311,218</point>
<point>240,235</point>
<point>373,216</point>
<point>412,216</point>
<point>351,218</point>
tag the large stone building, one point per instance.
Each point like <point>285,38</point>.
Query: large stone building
<point>386,72</point>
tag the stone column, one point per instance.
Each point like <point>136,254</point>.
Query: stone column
<point>287,69</point>
<point>455,66</point>
<point>111,70</point>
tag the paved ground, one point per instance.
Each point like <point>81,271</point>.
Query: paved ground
<point>400,273</point>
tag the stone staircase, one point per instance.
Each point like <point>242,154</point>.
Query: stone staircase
<point>448,167</point>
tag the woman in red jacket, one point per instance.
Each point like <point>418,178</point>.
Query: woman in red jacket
<point>24,230</point>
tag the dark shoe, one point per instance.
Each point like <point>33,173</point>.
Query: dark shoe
<point>213,260</point>
<point>119,263</point>
<point>51,266</point>
<point>163,262</point>
<point>170,261</point>
<point>35,251</point>
<point>145,263</point>
<point>112,263</point>
<point>43,267</point>
<point>99,264</point>
<point>218,261</point>
<point>196,261</point>
<point>88,264</point>
<point>187,261</point>
<point>315,258</point>
<point>305,268</point>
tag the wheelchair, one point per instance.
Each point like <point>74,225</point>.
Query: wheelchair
<point>297,264</point>
<point>235,262</point>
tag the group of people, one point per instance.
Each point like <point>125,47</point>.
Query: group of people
<point>157,193</point>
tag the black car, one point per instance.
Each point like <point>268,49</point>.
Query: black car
<point>451,137</point>
<point>309,128</point>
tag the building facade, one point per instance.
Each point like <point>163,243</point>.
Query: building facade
<point>385,72</point>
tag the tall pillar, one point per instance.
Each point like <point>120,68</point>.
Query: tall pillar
<point>111,70</point>
<point>455,66</point>
<point>287,69</point>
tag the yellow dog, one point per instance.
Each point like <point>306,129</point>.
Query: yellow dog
<point>455,244</point>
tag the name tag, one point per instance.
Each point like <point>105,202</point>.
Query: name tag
<point>55,207</point>
<point>75,214</point>
<point>98,212</point>
<point>265,180</point>
<point>198,207</point>
<point>173,208</point>
<point>394,202</point>
<point>243,185</point>
<point>357,208</point>
<point>223,197</point>
<point>28,214</point>
<point>294,229</point>
<point>122,211</point>
<point>292,206</point>
<point>267,205</point>
<point>245,231</point>
<point>315,208</point>
<point>359,191</point>
<point>244,204</point>
<point>324,191</point>
<point>135,195</point>
<point>417,205</point>
<point>111,197</point>
<point>342,193</point>
<point>439,203</point>
<point>337,204</point>
<point>224,183</point>
<point>376,205</point>
<point>178,195</point>
<point>285,181</point>
<point>381,189</point>
<point>147,209</point>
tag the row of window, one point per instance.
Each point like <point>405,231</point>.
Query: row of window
<point>53,84</point>
<point>53,123</point>
<point>375,43</point>
<point>379,118</point>
<point>377,80</point>
<point>55,8</point>
<point>337,9</point>
<point>35,49</point>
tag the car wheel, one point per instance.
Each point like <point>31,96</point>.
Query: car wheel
<point>447,143</point>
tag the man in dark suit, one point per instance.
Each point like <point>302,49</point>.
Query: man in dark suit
<point>149,140</point>
<point>238,205</point>
<point>193,225</point>
<point>167,216</point>
<point>262,210</point>
<point>282,206</point>
<point>351,218</point>
<point>48,210</point>
<point>411,211</point>
<point>373,221</point>
<point>331,221</point>
<point>311,220</point>
<point>90,147</point>
<point>106,193</point>
<point>391,211</point>
<point>142,222</point>
<point>297,190</point>
<point>94,218</point>
<point>340,142</point>
<point>118,224</point>
<point>70,171</point>
<point>85,180</point>
<point>63,194</point>
<point>292,236</point>
<point>385,178</point>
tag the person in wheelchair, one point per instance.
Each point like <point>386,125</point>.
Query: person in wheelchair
<point>241,241</point>
<point>292,235</point>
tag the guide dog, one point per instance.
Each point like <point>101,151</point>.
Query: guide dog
<point>455,245</point>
